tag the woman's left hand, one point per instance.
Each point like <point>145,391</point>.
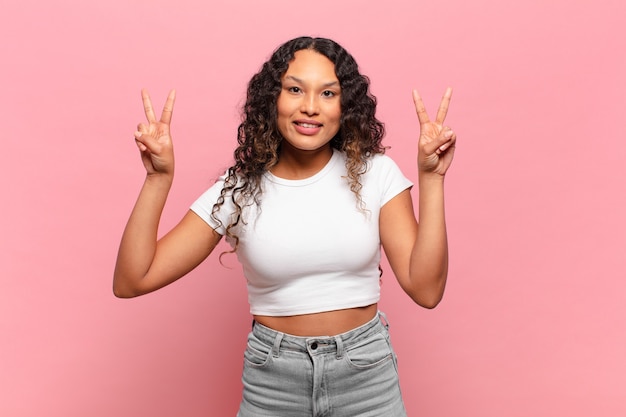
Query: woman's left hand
<point>436,142</point>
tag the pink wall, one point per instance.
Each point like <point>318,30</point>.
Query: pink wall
<point>533,320</point>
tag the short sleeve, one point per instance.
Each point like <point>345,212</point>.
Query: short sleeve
<point>389,179</point>
<point>203,207</point>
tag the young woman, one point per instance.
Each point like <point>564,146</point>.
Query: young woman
<point>306,207</point>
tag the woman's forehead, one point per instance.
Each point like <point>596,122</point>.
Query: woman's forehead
<point>309,65</point>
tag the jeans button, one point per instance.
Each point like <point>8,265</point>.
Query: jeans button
<point>313,345</point>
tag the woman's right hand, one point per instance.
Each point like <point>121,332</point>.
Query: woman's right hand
<point>154,139</point>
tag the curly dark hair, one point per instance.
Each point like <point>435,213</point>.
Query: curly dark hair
<point>359,136</point>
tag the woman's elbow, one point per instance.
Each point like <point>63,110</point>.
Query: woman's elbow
<point>429,303</point>
<point>122,290</point>
<point>120,293</point>
<point>431,297</point>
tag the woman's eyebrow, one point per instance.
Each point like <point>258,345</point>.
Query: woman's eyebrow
<point>299,81</point>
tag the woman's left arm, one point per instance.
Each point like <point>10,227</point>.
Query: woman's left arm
<point>418,251</point>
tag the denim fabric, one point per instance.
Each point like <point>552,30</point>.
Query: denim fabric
<point>348,375</point>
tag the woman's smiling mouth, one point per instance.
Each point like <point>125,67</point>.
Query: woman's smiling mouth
<point>307,127</point>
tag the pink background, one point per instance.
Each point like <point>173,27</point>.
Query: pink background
<point>533,320</point>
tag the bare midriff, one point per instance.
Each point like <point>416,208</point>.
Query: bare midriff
<point>328,323</point>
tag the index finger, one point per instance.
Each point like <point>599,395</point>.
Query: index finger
<point>443,106</point>
<point>420,109</point>
<point>147,106</point>
<point>168,108</point>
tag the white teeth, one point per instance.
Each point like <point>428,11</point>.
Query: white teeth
<point>309,125</point>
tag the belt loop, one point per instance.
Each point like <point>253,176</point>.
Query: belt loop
<point>276,347</point>
<point>339,344</point>
<point>383,319</point>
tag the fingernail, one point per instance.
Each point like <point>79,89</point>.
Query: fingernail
<point>137,134</point>
<point>448,134</point>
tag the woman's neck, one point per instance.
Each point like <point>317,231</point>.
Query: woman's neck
<point>296,164</point>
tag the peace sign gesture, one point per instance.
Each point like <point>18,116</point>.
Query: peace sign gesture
<point>153,139</point>
<point>436,142</point>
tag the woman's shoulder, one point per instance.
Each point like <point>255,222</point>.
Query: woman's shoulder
<point>381,161</point>
<point>385,173</point>
<point>370,159</point>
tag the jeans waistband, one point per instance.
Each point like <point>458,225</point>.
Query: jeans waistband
<point>319,344</point>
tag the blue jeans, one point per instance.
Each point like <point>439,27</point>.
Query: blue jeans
<point>348,375</point>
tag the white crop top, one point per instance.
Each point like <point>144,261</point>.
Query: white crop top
<point>308,248</point>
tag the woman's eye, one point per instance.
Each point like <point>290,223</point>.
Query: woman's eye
<point>328,93</point>
<point>294,89</point>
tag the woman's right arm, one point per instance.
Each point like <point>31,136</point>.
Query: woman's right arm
<point>143,263</point>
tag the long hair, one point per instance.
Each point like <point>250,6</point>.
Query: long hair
<point>259,140</point>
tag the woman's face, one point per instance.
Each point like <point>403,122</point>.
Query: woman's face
<point>309,104</point>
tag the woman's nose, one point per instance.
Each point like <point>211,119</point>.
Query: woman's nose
<point>310,104</point>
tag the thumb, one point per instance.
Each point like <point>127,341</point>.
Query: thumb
<point>147,142</point>
<point>441,142</point>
